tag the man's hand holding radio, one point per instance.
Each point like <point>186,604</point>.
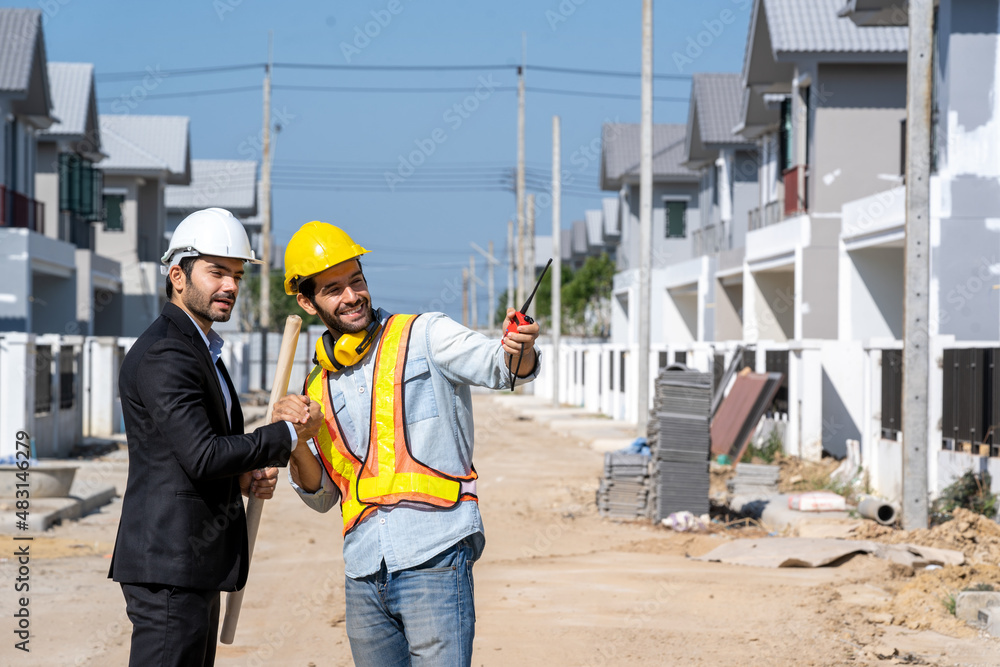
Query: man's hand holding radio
<point>520,330</point>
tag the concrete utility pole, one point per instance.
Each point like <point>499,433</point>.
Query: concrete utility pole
<point>492,262</point>
<point>645,217</point>
<point>916,302</point>
<point>492,312</point>
<point>473,297</point>
<point>465,297</point>
<point>521,287</point>
<point>556,256</point>
<point>265,218</point>
<point>510,264</point>
<point>529,253</point>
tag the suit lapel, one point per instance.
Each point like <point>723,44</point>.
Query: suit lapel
<point>183,322</point>
<point>236,415</point>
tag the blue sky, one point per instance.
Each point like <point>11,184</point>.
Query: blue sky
<point>419,238</point>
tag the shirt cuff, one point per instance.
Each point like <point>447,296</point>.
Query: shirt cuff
<point>295,436</point>
<point>326,488</point>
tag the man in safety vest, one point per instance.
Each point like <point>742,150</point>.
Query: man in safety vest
<point>396,452</point>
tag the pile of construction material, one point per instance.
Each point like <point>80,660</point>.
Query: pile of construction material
<point>624,489</point>
<point>679,437</point>
<point>754,481</point>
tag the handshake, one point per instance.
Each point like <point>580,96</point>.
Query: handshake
<point>303,413</point>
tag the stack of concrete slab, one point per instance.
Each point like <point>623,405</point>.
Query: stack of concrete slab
<point>754,481</point>
<point>680,441</point>
<point>624,489</point>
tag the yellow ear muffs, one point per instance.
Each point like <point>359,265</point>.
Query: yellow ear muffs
<point>346,350</point>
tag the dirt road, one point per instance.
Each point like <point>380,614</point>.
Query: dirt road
<point>557,584</point>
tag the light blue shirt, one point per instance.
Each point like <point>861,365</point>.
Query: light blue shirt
<point>443,360</point>
<point>214,343</point>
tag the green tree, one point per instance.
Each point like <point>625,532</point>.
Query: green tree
<point>587,297</point>
<point>282,305</point>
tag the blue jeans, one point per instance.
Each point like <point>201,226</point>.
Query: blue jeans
<point>421,616</point>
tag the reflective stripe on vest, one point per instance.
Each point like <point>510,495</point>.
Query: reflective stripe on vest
<point>389,474</point>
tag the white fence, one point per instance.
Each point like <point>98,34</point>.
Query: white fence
<point>833,395</point>
<point>61,389</point>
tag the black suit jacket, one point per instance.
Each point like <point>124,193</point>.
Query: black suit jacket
<point>183,522</point>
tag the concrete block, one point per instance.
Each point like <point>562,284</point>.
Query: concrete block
<point>989,618</point>
<point>43,513</point>
<point>968,604</point>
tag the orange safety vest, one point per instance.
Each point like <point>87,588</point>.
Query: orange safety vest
<point>389,474</point>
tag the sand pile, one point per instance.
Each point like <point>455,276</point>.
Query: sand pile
<point>973,534</point>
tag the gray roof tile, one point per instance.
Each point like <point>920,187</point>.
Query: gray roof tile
<point>620,154</point>
<point>595,227</point>
<point>228,184</point>
<point>145,143</point>
<point>72,90</point>
<point>718,100</point>
<point>19,30</point>
<point>579,232</point>
<point>610,206</point>
<point>566,244</point>
<point>814,26</point>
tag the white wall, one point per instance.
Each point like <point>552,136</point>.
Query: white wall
<point>873,304</point>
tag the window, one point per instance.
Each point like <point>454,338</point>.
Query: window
<point>892,394</point>
<point>43,379</point>
<point>67,377</point>
<point>113,218</point>
<point>621,371</point>
<point>785,136</point>
<point>80,187</point>
<point>676,212</point>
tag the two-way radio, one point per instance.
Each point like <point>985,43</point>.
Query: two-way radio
<point>521,317</point>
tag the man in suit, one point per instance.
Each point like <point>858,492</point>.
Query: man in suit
<point>183,537</point>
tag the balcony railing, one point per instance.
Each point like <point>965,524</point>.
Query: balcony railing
<point>706,241</point>
<point>17,210</point>
<point>762,216</point>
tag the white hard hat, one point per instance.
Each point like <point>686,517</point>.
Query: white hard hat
<point>210,231</point>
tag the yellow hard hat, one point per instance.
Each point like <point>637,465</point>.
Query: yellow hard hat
<point>314,248</point>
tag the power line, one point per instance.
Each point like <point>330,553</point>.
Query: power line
<point>587,93</point>
<point>392,89</point>
<point>197,71</point>
<point>190,93</point>
<point>392,68</point>
<point>601,72</point>
<point>191,71</point>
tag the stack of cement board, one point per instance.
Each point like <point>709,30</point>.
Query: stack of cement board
<point>754,481</point>
<point>624,489</point>
<point>680,442</point>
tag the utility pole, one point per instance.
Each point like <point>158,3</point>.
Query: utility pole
<point>492,312</point>
<point>465,298</point>
<point>473,279</point>
<point>556,256</point>
<point>916,302</point>
<point>521,287</point>
<point>265,218</point>
<point>492,262</point>
<point>645,217</point>
<point>510,263</point>
<point>529,252</point>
